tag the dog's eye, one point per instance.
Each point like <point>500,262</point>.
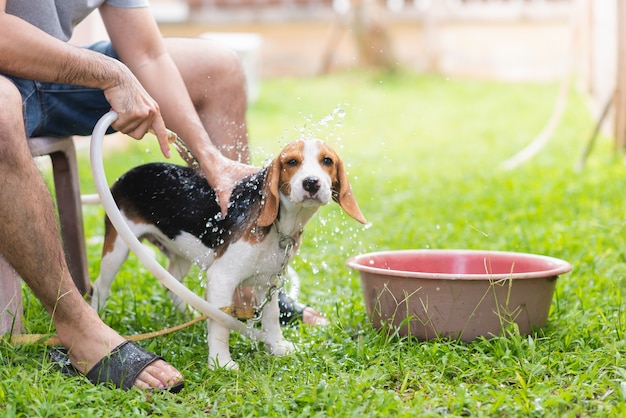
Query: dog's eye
<point>292,163</point>
<point>327,161</point>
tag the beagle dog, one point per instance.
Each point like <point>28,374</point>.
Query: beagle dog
<point>176,209</point>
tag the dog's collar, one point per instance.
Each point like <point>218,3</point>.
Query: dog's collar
<point>288,244</point>
<point>286,241</point>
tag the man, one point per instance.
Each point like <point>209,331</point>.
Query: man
<point>151,83</point>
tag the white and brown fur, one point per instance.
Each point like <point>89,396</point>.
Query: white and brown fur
<point>175,208</point>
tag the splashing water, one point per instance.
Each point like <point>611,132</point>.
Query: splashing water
<point>326,128</point>
<point>330,233</point>
<point>336,116</point>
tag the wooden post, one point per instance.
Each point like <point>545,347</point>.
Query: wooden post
<point>433,12</point>
<point>371,34</point>
<point>620,90</point>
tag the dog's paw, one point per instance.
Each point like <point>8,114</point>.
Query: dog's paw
<point>281,348</point>
<point>98,298</point>
<point>222,363</point>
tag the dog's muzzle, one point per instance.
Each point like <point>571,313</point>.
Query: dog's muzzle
<point>311,185</point>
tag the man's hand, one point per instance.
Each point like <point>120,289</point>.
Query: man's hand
<point>224,178</point>
<point>137,111</point>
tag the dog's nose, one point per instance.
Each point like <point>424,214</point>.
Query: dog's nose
<point>311,185</point>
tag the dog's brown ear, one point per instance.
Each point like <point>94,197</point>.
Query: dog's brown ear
<point>271,199</point>
<point>342,194</point>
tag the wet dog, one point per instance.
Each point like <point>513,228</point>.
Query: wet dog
<point>176,209</point>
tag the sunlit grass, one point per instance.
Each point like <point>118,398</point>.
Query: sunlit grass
<point>423,154</point>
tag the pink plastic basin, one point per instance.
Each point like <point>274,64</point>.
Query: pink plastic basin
<point>459,294</point>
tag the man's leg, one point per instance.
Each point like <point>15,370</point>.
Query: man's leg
<point>216,82</point>
<point>29,240</point>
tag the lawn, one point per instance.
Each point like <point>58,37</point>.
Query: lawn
<point>424,156</point>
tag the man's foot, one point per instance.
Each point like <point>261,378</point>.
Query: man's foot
<point>312,317</point>
<point>159,375</point>
<point>121,367</point>
<point>93,341</point>
<point>292,311</point>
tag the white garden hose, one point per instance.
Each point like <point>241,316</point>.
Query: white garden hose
<point>113,212</point>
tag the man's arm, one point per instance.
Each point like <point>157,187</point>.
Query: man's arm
<point>28,52</point>
<point>138,43</point>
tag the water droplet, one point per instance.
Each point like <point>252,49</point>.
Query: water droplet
<point>314,268</point>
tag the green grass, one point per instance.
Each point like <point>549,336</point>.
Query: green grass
<point>423,155</point>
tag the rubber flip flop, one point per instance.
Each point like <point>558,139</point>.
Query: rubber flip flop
<point>120,367</point>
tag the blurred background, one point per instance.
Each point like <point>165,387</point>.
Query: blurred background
<point>504,40</point>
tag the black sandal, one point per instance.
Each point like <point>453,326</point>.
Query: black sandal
<point>120,367</point>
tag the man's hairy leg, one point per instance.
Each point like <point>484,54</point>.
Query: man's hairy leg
<point>30,242</point>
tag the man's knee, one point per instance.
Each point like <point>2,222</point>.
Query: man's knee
<point>11,101</point>
<point>11,121</point>
<point>12,136</point>
<point>208,67</point>
<point>231,68</point>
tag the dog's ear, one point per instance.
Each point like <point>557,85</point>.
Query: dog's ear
<point>342,194</point>
<point>270,199</point>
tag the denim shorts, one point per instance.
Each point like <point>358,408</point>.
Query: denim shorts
<point>53,109</point>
